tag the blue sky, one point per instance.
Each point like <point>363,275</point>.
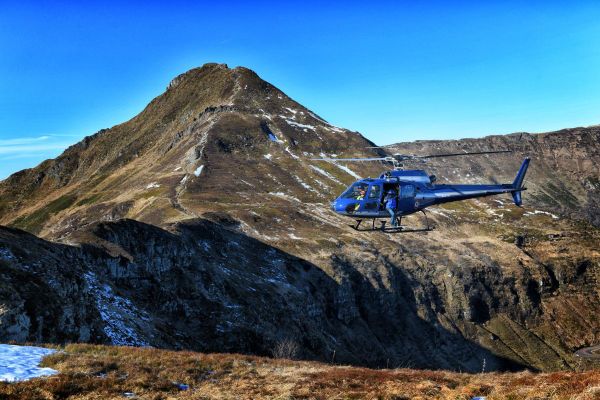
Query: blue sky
<point>394,71</point>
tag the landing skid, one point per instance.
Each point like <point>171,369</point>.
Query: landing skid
<point>397,229</point>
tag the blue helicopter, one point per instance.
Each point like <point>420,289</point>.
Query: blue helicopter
<point>414,190</point>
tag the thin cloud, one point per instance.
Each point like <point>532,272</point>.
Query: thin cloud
<point>31,146</point>
<point>18,156</point>
<point>37,148</point>
<point>25,140</point>
<point>26,152</point>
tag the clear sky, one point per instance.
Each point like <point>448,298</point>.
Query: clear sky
<point>394,71</point>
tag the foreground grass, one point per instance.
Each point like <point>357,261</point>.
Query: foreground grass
<point>104,372</point>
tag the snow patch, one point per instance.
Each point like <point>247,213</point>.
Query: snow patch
<point>21,363</point>
<point>198,170</point>
<point>6,254</point>
<point>153,185</point>
<point>285,196</point>
<point>117,313</point>
<point>299,125</point>
<point>326,174</point>
<point>291,154</point>
<point>322,184</point>
<point>536,212</point>
<point>346,169</point>
<point>334,128</point>
<point>304,184</point>
<point>494,213</point>
<point>268,156</point>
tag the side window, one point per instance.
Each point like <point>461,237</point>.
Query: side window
<point>375,192</point>
<point>408,191</point>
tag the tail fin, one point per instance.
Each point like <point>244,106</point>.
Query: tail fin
<point>518,182</point>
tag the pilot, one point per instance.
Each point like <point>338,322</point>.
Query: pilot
<point>391,203</point>
<point>361,195</point>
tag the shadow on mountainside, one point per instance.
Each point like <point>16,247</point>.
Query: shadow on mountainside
<point>208,287</point>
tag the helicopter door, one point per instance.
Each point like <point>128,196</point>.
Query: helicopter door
<point>407,198</point>
<point>373,198</point>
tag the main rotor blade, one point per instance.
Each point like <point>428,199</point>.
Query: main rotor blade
<point>351,159</point>
<point>382,147</point>
<point>463,154</point>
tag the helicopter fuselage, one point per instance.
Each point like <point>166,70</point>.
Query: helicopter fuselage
<point>415,190</point>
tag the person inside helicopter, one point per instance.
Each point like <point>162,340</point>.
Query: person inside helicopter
<point>355,190</point>
<point>361,193</point>
<point>362,190</point>
<point>394,187</point>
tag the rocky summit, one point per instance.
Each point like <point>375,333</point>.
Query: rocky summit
<point>203,223</point>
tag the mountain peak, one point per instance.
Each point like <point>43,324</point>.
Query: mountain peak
<point>219,122</point>
<point>197,72</point>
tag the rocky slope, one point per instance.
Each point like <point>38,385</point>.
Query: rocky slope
<point>202,223</point>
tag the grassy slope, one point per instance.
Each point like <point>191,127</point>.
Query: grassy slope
<point>101,372</point>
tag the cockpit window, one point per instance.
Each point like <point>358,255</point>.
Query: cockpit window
<point>354,191</point>
<point>375,192</point>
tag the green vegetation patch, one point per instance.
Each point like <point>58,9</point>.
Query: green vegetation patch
<point>149,193</point>
<point>89,200</point>
<point>35,221</point>
<point>3,206</point>
<point>564,196</point>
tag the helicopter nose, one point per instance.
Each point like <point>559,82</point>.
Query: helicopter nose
<point>341,206</point>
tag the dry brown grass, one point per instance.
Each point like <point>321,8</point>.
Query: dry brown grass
<point>103,372</point>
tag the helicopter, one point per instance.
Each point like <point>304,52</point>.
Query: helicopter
<point>414,190</point>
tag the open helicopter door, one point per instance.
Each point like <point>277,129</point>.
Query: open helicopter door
<point>373,197</point>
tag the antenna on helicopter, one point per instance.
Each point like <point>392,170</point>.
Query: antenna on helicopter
<point>397,159</point>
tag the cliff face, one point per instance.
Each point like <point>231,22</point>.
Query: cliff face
<point>202,223</point>
<point>564,174</point>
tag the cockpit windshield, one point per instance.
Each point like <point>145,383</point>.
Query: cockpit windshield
<point>356,191</point>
